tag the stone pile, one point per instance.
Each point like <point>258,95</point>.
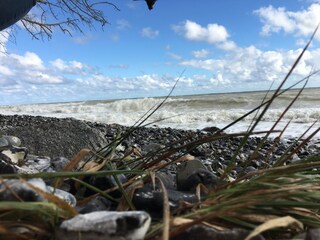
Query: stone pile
<point>38,144</point>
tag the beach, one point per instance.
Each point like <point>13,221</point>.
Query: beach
<point>183,153</point>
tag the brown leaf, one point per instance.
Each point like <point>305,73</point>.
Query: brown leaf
<point>166,212</point>
<point>177,221</point>
<point>275,223</point>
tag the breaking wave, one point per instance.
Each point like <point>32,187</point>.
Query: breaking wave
<point>187,112</point>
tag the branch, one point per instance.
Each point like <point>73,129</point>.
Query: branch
<point>67,15</point>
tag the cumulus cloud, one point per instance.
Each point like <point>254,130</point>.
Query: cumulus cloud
<point>203,53</point>
<point>5,71</point>
<point>252,64</point>
<point>212,33</point>
<point>19,71</point>
<point>149,32</point>
<point>219,79</point>
<point>299,23</point>
<point>71,67</point>
<point>28,60</point>
<point>98,85</point>
<point>26,68</point>
<point>227,45</point>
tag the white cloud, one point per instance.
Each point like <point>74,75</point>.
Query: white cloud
<point>275,20</point>
<point>212,33</point>
<point>28,60</point>
<point>122,24</point>
<point>81,40</point>
<point>119,66</point>
<point>203,53</point>
<point>5,71</point>
<point>219,79</point>
<point>299,23</point>
<point>71,67</point>
<point>17,71</point>
<point>227,45</point>
<point>252,64</point>
<point>174,56</point>
<point>149,32</point>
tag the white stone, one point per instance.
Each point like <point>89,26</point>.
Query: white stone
<point>131,225</point>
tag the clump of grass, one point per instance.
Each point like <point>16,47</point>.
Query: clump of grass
<point>279,201</point>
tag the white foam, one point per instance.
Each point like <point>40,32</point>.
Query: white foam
<point>194,112</point>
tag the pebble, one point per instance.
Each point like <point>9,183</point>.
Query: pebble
<point>4,144</point>
<point>5,167</point>
<point>208,233</point>
<point>16,155</point>
<point>208,161</point>
<point>65,196</point>
<point>59,163</point>
<point>13,140</point>
<point>16,190</point>
<point>99,203</point>
<point>35,164</point>
<point>102,225</point>
<point>104,182</point>
<point>191,173</point>
<point>151,200</point>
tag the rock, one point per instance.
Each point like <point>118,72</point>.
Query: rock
<point>65,196</point>
<point>104,182</point>
<point>5,167</point>
<point>4,144</point>
<point>54,137</point>
<point>99,203</point>
<point>105,225</point>
<point>210,129</point>
<point>36,164</point>
<point>311,234</point>
<point>151,200</point>
<point>9,145</point>
<point>191,173</point>
<point>167,180</point>
<point>59,163</point>
<point>151,147</point>
<point>249,169</point>
<point>12,140</point>
<point>16,155</point>
<point>207,233</point>
<point>16,190</point>
<point>11,154</point>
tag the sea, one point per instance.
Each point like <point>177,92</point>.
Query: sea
<point>191,112</point>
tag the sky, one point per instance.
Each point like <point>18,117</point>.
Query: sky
<point>211,46</point>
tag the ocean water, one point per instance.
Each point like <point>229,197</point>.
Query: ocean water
<point>189,112</point>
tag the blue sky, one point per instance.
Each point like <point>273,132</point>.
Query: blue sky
<point>223,46</point>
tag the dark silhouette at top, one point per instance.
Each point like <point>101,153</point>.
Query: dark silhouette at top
<point>12,11</point>
<point>150,3</point>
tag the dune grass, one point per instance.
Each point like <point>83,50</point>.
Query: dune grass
<point>280,201</point>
